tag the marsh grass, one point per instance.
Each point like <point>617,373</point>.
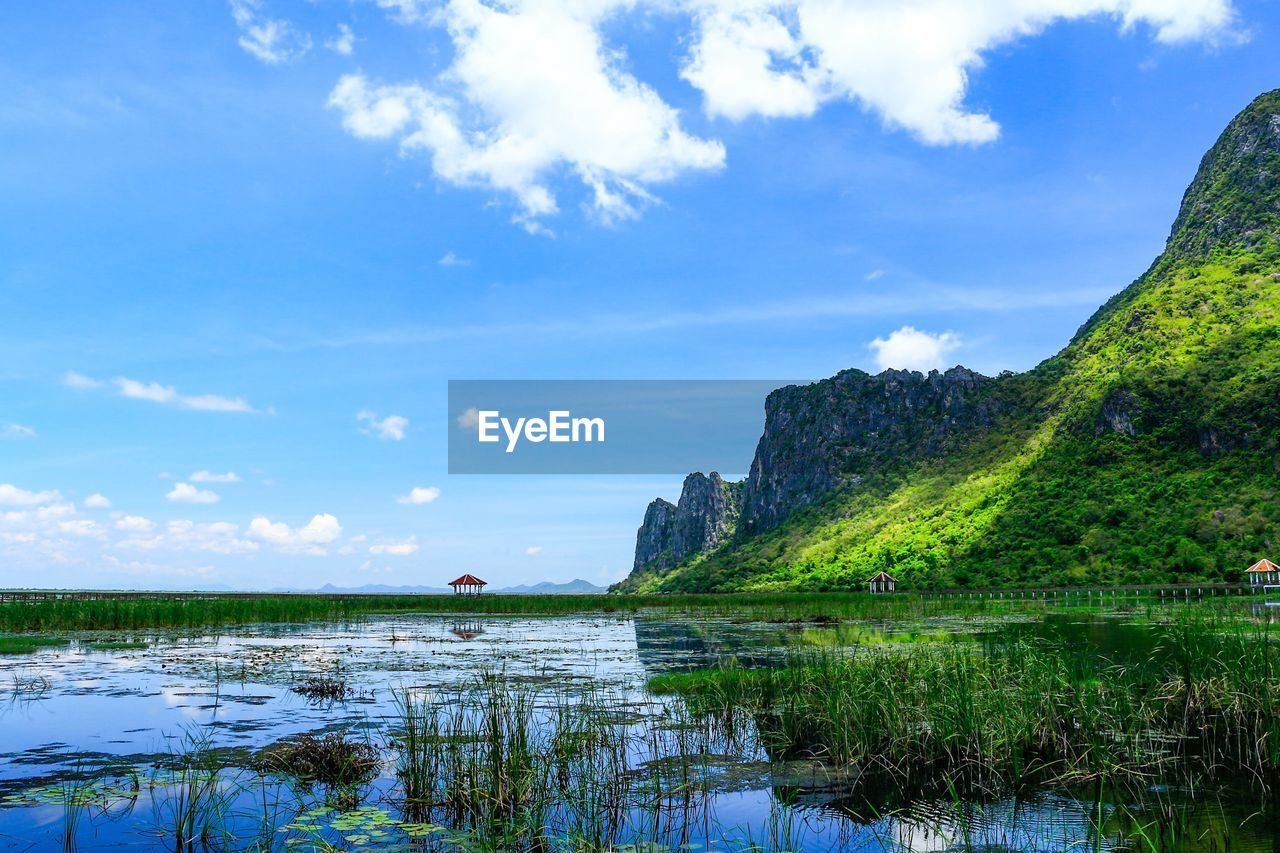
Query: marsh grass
<point>1004,711</point>
<point>131,614</point>
<point>25,644</point>
<point>534,766</point>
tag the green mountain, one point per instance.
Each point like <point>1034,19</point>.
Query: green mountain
<point>1146,450</point>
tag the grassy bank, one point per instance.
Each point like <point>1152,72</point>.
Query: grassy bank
<point>1205,700</point>
<point>71,614</point>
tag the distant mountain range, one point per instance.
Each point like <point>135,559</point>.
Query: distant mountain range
<point>573,587</point>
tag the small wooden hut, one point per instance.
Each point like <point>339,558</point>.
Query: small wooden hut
<point>468,585</point>
<point>1263,573</point>
<point>882,582</point>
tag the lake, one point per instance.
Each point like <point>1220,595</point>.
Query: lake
<point>159,739</point>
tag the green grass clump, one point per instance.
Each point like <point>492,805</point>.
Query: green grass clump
<point>117,646</point>
<point>1206,698</point>
<point>26,644</point>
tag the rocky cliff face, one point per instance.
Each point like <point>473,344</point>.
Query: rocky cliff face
<point>817,438</point>
<point>832,433</point>
<point>705,517</point>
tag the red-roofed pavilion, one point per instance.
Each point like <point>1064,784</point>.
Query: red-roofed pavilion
<point>468,585</point>
<point>1263,573</point>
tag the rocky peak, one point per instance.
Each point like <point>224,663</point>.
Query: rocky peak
<point>1234,200</point>
<point>653,539</point>
<point>706,516</point>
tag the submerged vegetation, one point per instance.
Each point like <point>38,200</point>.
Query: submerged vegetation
<point>331,759</point>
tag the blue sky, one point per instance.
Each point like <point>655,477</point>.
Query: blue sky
<point>228,229</point>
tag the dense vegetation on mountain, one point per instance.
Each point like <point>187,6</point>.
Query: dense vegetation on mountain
<point>1146,450</point>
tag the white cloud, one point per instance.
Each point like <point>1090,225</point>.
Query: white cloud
<point>271,40</point>
<point>533,550</point>
<point>908,61</point>
<point>16,431</point>
<point>96,501</point>
<point>420,495</point>
<point>396,549</point>
<point>535,91</point>
<point>390,428</point>
<point>80,382</point>
<point>470,419</point>
<point>210,477</point>
<point>218,537</point>
<point>874,275</point>
<point>909,348</point>
<point>344,43</point>
<point>157,393</point>
<point>135,524</point>
<point>40,516</point>
<point>11,495</point>
<point>408,11</point>
<point>185,493</point>
<point>451,260</point>
<point>154,392</point>
<point>82,527</point>
<point>321,530</point>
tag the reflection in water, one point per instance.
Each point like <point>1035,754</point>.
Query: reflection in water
<point>467,630</point>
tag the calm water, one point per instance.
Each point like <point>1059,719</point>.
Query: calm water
<point>112,717</point>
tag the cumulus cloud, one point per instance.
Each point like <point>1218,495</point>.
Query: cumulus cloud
<point>535,90</point>
<point>96,501</point>
<point>39,516</point>
<point>909,348</point>
<point>449,259</point>
<point>217,537</point>
<point>16,431</point>
<point>396,549</point>
<point>533,550</point>
<point>211,477</point>
<point>390,428</point>
<point>154,392</point>
<point>420,495</point>
<point>134,524</point>
<point>344,43</point>
<point>908,61</point>
<point>309,539</point>
<point>11,495</point>
<point>185,493</point>
<point>470,419</point>
<point>82,527</point>
<point>270,40</point>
